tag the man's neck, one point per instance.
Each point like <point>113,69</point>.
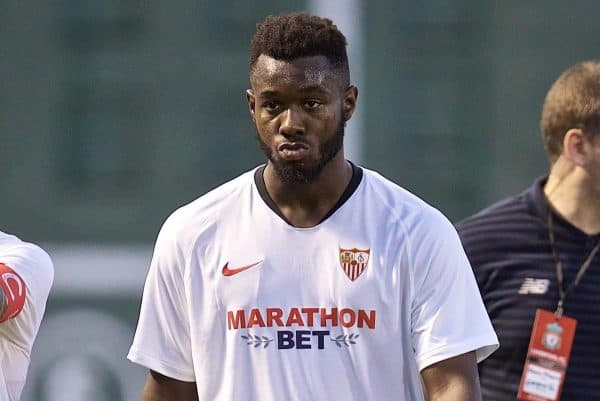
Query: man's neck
<point>305,205</point>
<point>571,194</point>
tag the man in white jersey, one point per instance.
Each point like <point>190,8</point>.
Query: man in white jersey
<point>26,274</point>
<point>308,278</point>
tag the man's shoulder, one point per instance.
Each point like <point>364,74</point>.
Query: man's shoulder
<point>28,260</point>
<point>13,247</point>
<point>500,229</point>
<point>406,210</point>
<point>209,207</point>
<point>393,195</point>
<point>9,240</point>
<point>498,213</point>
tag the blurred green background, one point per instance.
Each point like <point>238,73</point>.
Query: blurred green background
<point>113,113</point>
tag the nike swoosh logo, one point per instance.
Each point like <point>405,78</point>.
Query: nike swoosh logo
<point>230,272</point>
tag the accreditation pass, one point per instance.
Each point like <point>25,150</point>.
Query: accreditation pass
<point>547,358</point>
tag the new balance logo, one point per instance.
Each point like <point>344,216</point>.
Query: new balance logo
<point>534,286</point>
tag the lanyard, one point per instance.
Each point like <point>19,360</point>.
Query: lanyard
<point>559,267</point>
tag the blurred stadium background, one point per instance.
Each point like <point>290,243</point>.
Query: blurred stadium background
<point>115,112</point>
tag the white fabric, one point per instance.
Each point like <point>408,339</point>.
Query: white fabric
<point>35,268</point>
<point>417,281</point>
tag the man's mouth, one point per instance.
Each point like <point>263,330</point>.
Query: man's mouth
<point>292,150</point>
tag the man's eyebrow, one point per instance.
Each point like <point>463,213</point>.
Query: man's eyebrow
<point>313,88</point>
<point>303,89</point>
<point>268,93</point>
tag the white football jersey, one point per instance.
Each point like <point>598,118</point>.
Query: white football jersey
<point>252,308</point>
<point>35,269</point>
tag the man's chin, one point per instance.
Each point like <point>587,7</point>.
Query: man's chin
<point>295,172</point>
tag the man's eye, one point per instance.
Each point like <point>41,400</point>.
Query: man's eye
<point>312,104</point>
<point>270,106</point>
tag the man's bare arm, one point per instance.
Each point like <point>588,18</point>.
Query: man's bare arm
<point>163,388</point>
<point>454,379</point>
<point>3,302</point>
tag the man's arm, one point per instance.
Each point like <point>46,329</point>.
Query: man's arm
<point>13,292</point>
<point>2,302</point>
<point>454,379</point>
<point>163,388</point>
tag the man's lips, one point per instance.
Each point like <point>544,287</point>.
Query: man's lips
<point>292,146</point>
<point>293,150</point>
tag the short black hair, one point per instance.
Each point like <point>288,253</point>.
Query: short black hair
<point>290,36</point>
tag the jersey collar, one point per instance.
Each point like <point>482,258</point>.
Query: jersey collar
<point>357,174</point>
<point>539,205</point>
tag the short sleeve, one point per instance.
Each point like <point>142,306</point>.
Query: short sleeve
<point>162,339</point>
<point>33,265</point>
<point>448,315</point>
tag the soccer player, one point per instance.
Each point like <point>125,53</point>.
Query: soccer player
<point>309,277</point>
<point>26,274</point>
<point>538,250</point>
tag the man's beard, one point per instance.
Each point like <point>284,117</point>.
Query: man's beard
<point>296,172</point>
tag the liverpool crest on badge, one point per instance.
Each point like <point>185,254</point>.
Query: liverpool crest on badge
<point>354,261</point>
<point>552,337</point>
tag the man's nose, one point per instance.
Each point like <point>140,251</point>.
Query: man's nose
<point>292,122</point>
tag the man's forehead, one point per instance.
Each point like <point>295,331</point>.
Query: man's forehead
<point>310,71</point>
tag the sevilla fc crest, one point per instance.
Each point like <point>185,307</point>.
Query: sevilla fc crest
<point>354,261</point>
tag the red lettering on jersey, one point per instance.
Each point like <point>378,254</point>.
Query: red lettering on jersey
<point>301,317</point>
<point>333,316</point>
<point>294,317</point>
<point>310,312</point>
<point>14,290</point>
<point>368,319</point>
<point>274,317</point>
<point>236,321</point>
<point>348,317</point>
<point>255,319</point>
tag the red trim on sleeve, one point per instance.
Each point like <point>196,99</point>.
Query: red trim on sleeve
<point>14,290</point>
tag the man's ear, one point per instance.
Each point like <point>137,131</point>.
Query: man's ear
<point>576,147</point>
<point>349,105</point>
<point>251,99</point>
